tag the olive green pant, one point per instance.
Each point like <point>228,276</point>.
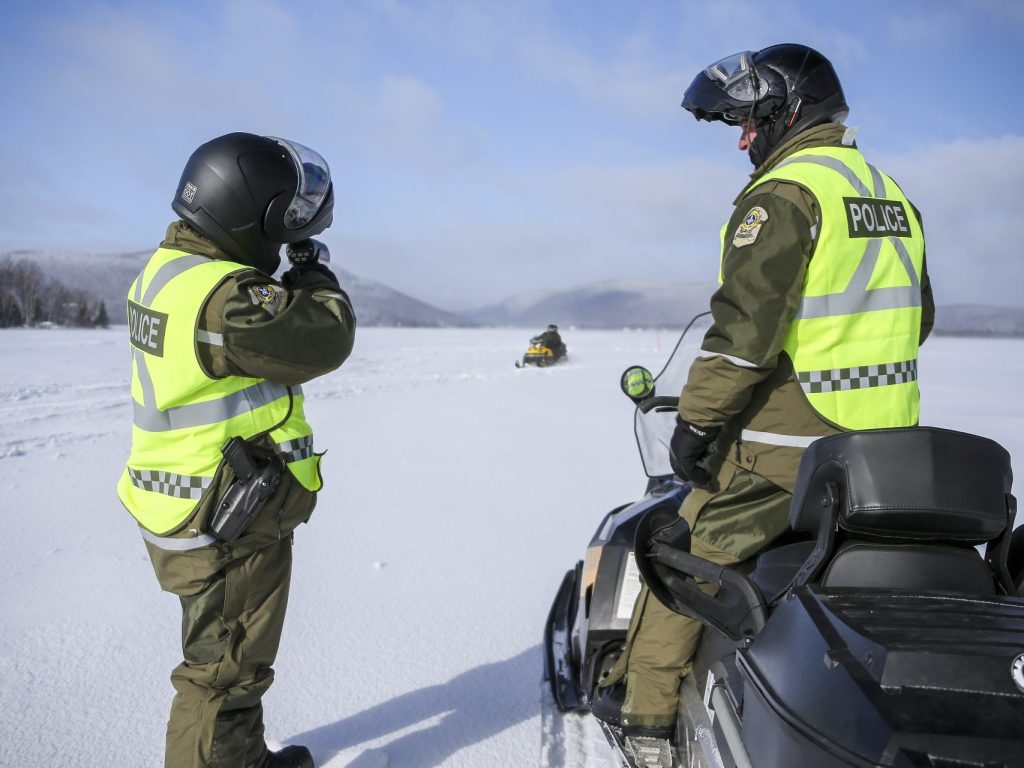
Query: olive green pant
<point>230,634</point>
<point>728,525</point>
<point>233,603</point>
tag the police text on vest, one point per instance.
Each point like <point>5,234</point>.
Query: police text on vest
<point>876,217</point>
<point>146,328</point>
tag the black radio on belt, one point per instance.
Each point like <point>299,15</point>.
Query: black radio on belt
<point>254,483</point>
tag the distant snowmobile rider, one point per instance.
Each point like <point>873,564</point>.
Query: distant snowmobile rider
<point>220,349</point>
<point>551,339</point>
<point>824,299</point>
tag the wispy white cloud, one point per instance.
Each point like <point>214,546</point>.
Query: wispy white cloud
<point>967,192</point>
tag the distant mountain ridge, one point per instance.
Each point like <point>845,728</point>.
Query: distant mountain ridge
<point>108,277</point>
<point>607,304</point>
<point>979,320</point>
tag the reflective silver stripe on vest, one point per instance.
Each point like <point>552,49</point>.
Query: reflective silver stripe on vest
<point>145,380</point>
<point>771,438</point>
<point>860,377</point>
<point>296,450</point>
<point>177,545</point>
<point>169,483</point>
<point>152,419</point>
<point>836,165</point>
<point>168,272</point>
<point>856,297</point>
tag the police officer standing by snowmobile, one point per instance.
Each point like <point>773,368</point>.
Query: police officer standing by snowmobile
<point>824,300</point>
<point>222,467</point>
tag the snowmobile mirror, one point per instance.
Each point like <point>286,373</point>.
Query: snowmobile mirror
<point>637,383</point>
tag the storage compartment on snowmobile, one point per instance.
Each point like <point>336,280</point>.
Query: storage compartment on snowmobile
<point>893,646</point>
<point>878,678</point>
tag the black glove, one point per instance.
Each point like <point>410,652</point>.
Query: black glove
<point>289,279</point>
<point>689,446</point>
<point>307,252</point>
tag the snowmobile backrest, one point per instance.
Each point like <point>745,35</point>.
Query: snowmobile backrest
<point>910,484</point>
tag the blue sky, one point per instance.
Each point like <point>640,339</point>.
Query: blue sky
<point>481,149</point>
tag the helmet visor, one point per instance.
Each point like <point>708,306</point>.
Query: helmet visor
<point>314,182</point>
<point>737,77</point>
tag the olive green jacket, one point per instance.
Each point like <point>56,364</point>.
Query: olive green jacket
<point>285,336</point>
<point>752,310</point>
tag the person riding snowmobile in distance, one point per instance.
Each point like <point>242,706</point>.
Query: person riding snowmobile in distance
<point>551,339</point>
<point>222,468</point>
<point>824,300</point>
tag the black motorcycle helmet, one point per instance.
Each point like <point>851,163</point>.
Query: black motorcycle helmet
<point>783,89</point>
<point>251,194</point>
<point>553,327</point>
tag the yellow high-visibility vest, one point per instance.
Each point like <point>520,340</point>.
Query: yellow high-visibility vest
<point>182,417</point>
<point>854,341</point>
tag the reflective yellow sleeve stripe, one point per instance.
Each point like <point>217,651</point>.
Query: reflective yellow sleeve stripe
<point>772,438</point>
<point>739,362</point>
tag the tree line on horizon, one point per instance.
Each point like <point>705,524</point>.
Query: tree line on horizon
<point>30,298</point>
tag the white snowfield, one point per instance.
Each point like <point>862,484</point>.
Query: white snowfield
<point>458,492</point>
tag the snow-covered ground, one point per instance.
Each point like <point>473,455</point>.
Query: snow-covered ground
<point>458,491</point>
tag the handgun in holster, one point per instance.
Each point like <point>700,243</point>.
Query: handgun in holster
<point>254,483</point>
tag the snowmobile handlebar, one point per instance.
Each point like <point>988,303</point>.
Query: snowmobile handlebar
<point>657,403</point>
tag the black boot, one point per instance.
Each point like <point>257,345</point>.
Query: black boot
<point>290,757</point>
<point>607,703</point>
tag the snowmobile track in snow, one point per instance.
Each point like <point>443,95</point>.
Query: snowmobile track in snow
<point>570,740</point>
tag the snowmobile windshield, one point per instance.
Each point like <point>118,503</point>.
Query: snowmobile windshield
<point>314,182</point>
<point>654,426</point>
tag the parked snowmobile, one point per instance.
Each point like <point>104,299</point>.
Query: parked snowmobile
<point>874,634</point>
<point>545,349</point>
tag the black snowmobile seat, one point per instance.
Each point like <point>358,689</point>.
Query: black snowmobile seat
<point>910,567</point>
<point>909,504</point>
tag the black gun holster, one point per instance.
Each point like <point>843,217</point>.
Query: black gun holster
<point>255,482</point>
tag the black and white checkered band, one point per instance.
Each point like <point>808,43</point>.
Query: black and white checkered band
<point>170,484</point>
<point>860,377</point>
<point>297,449</point>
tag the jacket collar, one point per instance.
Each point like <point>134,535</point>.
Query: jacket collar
<point>823,135</point>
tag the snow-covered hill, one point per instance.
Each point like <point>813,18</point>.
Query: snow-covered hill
<point>108,276</point>
<point>608,304</point>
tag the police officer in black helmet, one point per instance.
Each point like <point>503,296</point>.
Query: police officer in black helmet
<point>821,252</point>
<point>225,352</point>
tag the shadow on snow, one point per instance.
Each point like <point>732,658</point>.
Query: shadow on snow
<point>473,707</point>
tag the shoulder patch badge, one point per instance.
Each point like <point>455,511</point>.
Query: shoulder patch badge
<point>268,297</point>
<point>748,230</point>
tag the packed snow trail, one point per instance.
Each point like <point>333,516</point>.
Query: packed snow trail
<point>458,491</point>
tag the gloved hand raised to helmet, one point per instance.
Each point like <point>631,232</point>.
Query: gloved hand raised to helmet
<point>689,448</point>
<point>305,256</point>
<point>307,252</point>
